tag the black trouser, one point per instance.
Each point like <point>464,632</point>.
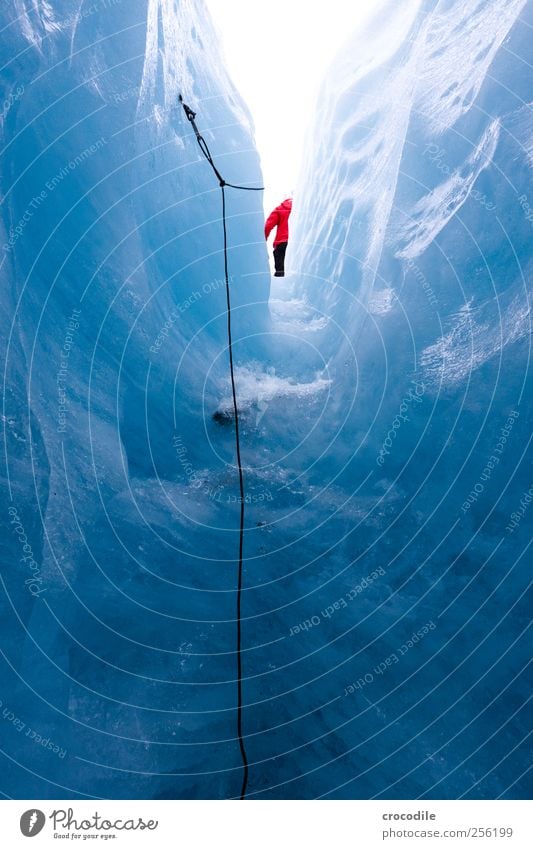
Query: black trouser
<point>279,259</point>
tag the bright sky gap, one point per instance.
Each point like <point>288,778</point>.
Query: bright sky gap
<point>277,54</point>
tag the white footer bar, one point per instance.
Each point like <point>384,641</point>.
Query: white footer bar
<point>268,824</point>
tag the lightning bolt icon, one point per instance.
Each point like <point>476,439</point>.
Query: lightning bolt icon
<point>33,820</point>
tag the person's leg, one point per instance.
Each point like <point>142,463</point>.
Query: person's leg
<point>279,259</point>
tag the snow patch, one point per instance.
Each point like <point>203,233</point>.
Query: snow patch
<point>473,339</point>
<point>433,211</point>
<point>520,126</point>
<point>296,315</point>
<point>455,67</point>
<point>381,301</point>
<point>256,387</point>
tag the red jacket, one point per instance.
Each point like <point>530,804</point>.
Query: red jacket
<point>279,218</point>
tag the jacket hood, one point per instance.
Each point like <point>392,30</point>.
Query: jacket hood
<point>287,203</point>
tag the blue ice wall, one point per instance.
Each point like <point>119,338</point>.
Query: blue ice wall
<point>118,627</point>
<point>404,605</point>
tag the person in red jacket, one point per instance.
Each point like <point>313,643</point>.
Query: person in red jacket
<point>279,218</point>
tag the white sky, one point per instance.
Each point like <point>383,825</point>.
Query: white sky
<point>277,52</point>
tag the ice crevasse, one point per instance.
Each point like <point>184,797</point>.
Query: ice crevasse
<point>382,389</point>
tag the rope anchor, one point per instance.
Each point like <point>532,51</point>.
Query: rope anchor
<point>191,117</point>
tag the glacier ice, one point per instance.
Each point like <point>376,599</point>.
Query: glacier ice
<point>383,393</point>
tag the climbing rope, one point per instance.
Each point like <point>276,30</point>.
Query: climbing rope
<point>222,183</point>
